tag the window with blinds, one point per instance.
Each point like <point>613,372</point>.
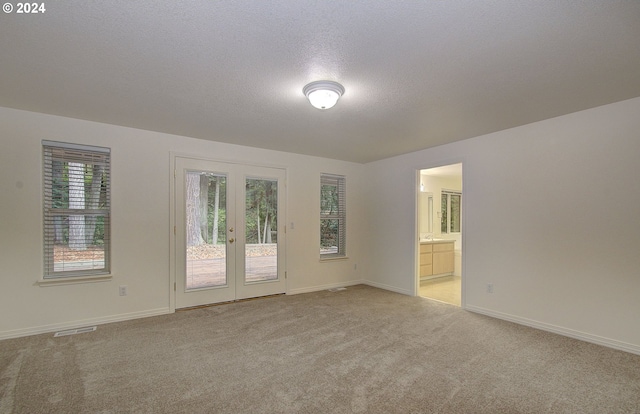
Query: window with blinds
<point>333,215</point>
<point>450,211</point>
<point>76,210</point>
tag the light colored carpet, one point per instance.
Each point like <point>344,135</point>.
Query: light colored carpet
<point>361,350</point>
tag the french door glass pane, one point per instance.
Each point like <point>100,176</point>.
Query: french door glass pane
<point>205,198</point>
<point>261,225</point>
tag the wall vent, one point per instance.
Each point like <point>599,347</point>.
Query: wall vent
<point>75,331</point>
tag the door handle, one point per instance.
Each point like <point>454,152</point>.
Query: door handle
<point>231,230</point>
<point>231,240</point>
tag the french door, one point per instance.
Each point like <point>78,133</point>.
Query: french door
<point>229,231</point>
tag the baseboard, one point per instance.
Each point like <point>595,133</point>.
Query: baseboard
<point>325,287</point>
<point>583,336</point>
<point>387,287</point>
<point>82,323</point>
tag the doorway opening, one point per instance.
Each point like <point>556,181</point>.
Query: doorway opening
<point>440,230</point>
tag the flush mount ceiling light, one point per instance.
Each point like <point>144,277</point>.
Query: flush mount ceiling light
<point>323,94</point>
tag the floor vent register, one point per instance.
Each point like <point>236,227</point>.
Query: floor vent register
<point>75,331</point>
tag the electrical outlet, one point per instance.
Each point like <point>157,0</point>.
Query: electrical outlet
<point>123,290</point>
<point>355,266</point>
<point>489,287</point>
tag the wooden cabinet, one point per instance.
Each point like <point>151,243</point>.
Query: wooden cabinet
<point>443,258</point>
<point>426,261</point>
<point>436,258</point>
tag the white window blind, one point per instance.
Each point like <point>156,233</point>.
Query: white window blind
<point>333,216</point>
<point>76,184</point>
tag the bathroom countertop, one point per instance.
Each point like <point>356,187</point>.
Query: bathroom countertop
<point>434,241</point>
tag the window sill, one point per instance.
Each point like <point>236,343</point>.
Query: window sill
<point>73,280</point>
<point>333,258</point>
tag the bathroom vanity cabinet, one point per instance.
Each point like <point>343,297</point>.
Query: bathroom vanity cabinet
<point>436,258</point>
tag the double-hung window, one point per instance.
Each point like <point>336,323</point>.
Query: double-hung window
<point>76,210</point>
<point>450,211</point>
<point>333,216</point>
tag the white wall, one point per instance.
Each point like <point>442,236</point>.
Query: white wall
<point>551,218</point>
<point>140,222</point>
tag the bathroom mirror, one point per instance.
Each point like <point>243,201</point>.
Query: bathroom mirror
<point>425,214</point>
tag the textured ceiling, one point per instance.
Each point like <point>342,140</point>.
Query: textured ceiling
<point>417,73</point>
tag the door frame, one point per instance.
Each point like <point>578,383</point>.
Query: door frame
<point>173,247</point>
<point>416,233</point>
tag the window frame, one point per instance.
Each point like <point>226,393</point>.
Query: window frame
<point>339,181</point>
<point>81,155</point>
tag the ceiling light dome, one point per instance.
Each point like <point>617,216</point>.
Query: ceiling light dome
<point>323,94</point>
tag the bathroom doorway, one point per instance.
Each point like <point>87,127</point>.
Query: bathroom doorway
<point>440,230</point>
